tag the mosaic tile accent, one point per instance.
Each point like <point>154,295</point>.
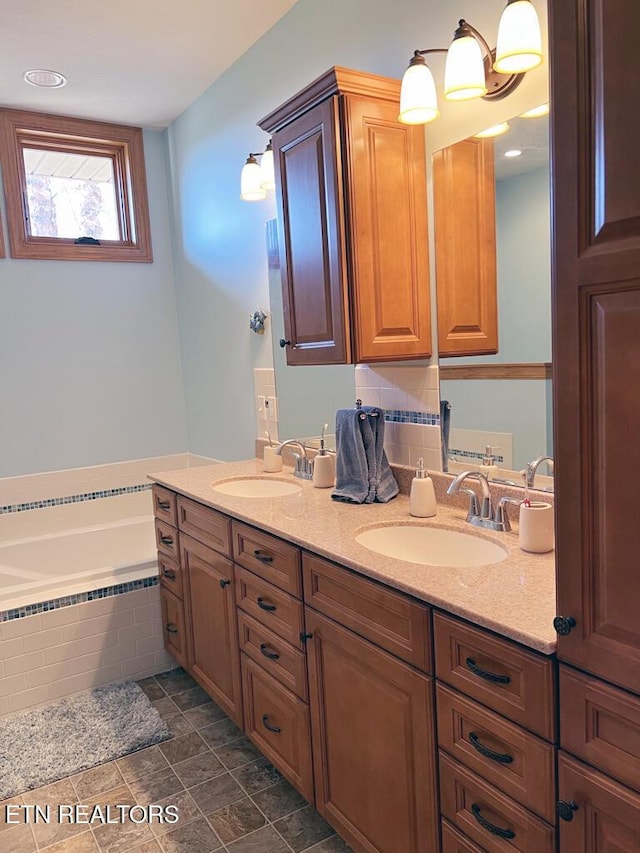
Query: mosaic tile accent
<point>79,598</point>
<point>74,499</point>
<point>400,416</point>
<point>457,455</point>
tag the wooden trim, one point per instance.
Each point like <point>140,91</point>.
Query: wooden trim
<point>534,370</point>
<point>19,128</point>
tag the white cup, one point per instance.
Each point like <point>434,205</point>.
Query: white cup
<point>271,461</point>
<point>536,527</point>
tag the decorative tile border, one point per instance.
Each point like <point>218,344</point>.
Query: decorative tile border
<point>400,416</point>
<point>79,598</point>
<point>457,455</point>
<point>73,499</point>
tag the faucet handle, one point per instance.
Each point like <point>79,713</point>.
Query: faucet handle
<point>502,519</point>
<point>474,509</point>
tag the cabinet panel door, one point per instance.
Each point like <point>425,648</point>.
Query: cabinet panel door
<point>465,238</point>
<point>373,743</point>
<point>213,652</point>
<point>387,202</point>
<point>311,237</point>
<point>607,817</point>
<point>597,343</point>
<point>173,626</point>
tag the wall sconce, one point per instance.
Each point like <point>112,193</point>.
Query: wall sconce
<point>257,178</point>
<point>472,68</point>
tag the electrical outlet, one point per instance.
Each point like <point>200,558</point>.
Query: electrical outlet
<point>271,406</point>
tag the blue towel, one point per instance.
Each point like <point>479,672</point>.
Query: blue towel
<point>363,474</point>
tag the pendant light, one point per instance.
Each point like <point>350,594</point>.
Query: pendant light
<point>268,176</point>
<point>250,180</point>
<point>464,69</point>
<point>519,45</point>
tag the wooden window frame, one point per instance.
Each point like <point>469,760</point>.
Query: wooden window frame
<point>20,129</point>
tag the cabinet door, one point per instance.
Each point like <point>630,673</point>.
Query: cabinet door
<point>212,639</point>
<point>606,815</point>
<point>596,355</point>
<point>373,743</point>
<point>173,626</point>
<point>388,246</point>
<point>311,238</point>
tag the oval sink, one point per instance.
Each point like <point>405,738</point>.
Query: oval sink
<point>431,546</point>
<point>256,487</point>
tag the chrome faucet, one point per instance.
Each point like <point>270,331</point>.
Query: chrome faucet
<point>483,516</point>
<point>532,467</point>
<point>303,467</point>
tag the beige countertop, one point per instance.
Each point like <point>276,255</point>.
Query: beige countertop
<point>515,597</point>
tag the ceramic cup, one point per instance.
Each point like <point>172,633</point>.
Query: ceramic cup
<point>271,461</point>
<point>536,527</point>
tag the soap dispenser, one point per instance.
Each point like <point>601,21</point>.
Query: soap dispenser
<point>422,499</point>
<point>489,467</point>
<point>323,466</point>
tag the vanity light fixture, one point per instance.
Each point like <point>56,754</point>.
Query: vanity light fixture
<point>268,181</point>
<point>496,130</point>
<point>257,178</point>
<point>472,68</point>
<point>536,112</point>
<point>514,152</point>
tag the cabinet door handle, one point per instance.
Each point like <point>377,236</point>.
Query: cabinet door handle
<point>263,606</point>
<point>166,540</point>
<point>502,757</point>
<point>264,558</point>
<point>171,628</point>
<point>564,625</point>
<point>265,651</point>
<point>488,676</point>
<point>284,343</point>
<point>224,582</point>
<point>169,573</point>
<point>164,505</point>
<point>490,827</point>
<point>267,725</point>
<point>566,809</point>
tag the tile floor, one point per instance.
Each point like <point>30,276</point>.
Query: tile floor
<point>229,797</point>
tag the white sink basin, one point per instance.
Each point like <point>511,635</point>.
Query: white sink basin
<point>431,546</point>
<point>256,487</point>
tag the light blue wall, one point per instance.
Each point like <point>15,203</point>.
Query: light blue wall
<point>90,361</point>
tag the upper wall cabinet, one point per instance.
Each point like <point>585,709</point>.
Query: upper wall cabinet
<point>465,232</point>
<point>352,222</point>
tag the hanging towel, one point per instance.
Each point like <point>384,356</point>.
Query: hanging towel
<point>386,486</point>
<point>445,422</point>
<point>363,474</point>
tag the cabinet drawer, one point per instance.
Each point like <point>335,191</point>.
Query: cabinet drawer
<point>518,763</point>
<point>388,618</point>
<point>511,680</point>
<point>454,842</point>
<point>495,822</point>
<point>600,724</point>
<point>173,627</point>
<point>271,558</point>
<point>170,575</point>
<point>167,540</point>
<point>274,608</point>
<point>165,505</point>
<point>274,655</point>
<point>278,723</point>
<point>205,524</point>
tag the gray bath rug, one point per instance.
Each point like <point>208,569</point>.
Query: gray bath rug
<point>56,740</point>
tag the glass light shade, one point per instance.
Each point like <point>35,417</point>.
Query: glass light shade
<point>268,179</point>
<point>519,44</point>
<point>536,112</point>
<point>496,130</point>
<point>418,99</point>
<point>464,70</point>
<point>515,152</point>
<point>250,178</point>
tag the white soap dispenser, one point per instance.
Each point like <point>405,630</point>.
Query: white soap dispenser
<point>489,467</point>
<point>323,466</point>
<point>422,499</point>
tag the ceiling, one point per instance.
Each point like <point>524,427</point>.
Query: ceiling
<point>139,62</point>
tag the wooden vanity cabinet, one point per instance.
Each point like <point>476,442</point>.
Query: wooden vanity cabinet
<point>352,222</point>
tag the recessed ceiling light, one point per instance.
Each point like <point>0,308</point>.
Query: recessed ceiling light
<point>536,112</point>
<point>45,79</point>
<point>515,152</point>
<point>496,130</point>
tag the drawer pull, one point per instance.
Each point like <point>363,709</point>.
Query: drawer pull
<point>502,757</point>
<point>169,573</point>
<point>265,651</point>
<point>264,558</point>
<point>224,582</point>
<point>263,606</point>
<point>267,725</point>
<point>166,540</point>
<point>490,827</point>
<point>564,625</point>
<point>566,809</point>
<point>164,505</point>
<point>488,676</point>
<point>171,628</point>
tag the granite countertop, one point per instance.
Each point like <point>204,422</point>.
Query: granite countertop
<point>515,598</point>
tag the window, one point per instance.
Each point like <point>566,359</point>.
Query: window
<point>75,189</point>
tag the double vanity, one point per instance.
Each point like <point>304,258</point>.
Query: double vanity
<point>399,673</point>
